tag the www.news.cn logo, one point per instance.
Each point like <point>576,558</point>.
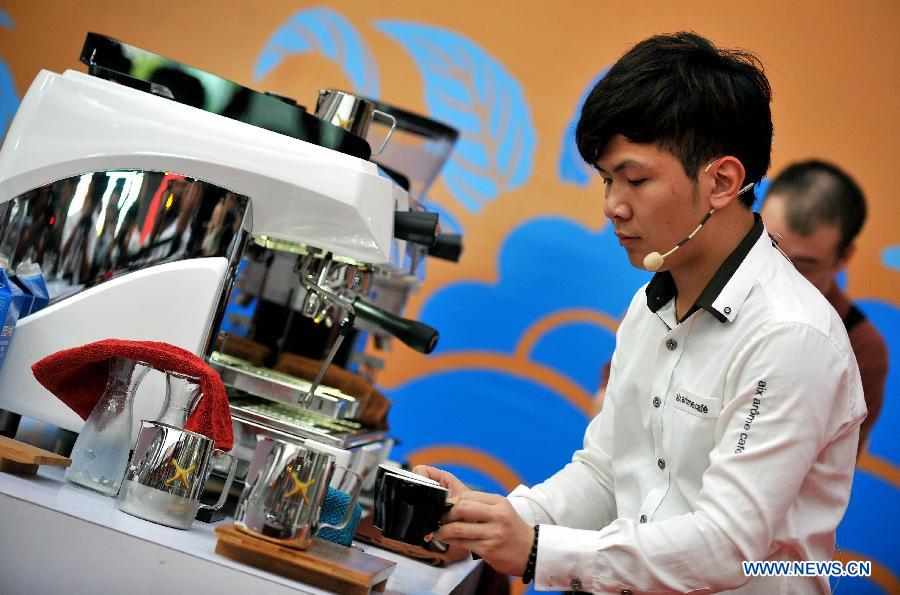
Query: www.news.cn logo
<point>808,568</point>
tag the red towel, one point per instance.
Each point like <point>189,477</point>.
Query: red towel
<point>78,376</point>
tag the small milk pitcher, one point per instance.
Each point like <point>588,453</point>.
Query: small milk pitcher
<point>285,489</point>
<point>352,113</point>
<point>167,474</point>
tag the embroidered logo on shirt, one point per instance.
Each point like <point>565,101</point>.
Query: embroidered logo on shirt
<point>701,407</point>
<point>751,415</point>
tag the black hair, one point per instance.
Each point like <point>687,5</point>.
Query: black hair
<point>688,97</point>
<point>817,192</point>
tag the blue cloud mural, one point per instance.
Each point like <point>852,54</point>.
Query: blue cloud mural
<point>528,427</point>
<point>545,265</point>
<point>324,31</point>
<point>470,90</point>
<point>572,168</point>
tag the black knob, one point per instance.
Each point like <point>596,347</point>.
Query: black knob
<point>419,227</point>
<point>447,246</point>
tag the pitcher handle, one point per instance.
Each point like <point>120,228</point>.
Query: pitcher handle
<point>384,116</point>
<point>354,496</point>
<point>228,481</point>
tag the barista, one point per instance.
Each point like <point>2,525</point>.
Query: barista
<point>731,420</point>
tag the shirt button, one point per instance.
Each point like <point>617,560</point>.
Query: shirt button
<point>643,518</point>
<point>727,310</point>
<point>671,344</point>
<point>656,402</point>
<point>661,463</point>
<point>575,584</point>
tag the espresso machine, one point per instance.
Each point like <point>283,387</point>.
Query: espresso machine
<point>140,186</point>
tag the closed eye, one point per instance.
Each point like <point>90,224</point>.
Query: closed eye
<point>637,182</point>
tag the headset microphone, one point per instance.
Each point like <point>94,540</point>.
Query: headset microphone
<point>654,260</point>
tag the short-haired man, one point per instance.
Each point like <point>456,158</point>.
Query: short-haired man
<point>731,419</point>
<point>816,210</point>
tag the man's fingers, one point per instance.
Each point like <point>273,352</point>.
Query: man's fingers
<point>468,510</point>
<point>482,497</point>
<point>473,546</point>
<point>474,532</point>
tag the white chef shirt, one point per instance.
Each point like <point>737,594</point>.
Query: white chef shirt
<point>729,436</point>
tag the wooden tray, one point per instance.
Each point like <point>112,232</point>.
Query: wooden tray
<point>23,459</point>
<point>323,564</point>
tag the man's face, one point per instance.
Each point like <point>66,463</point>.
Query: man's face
<point>815,255</point>
<point>650,201</point>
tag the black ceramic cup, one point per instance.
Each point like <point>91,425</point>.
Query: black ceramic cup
<point>407,506</point>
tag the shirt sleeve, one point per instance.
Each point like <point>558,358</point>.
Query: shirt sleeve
<point>811,398</point>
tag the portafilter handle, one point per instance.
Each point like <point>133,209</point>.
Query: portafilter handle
<point>417,335</point>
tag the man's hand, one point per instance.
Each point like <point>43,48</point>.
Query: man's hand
<point>488,525</point>
<point>455,487</point>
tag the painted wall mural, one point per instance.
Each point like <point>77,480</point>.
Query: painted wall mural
<point>528,317</point>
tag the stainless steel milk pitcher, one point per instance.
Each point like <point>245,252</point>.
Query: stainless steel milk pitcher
<point>352,113</point>
<point>285,489</point>
<point>167,474</point>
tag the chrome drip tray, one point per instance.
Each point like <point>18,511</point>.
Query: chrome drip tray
<point>282,388</point>
<point>291,421</point>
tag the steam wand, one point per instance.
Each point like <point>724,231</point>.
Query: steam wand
<point>343,331</point>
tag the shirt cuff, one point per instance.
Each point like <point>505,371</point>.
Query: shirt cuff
<point>522,505</point>
<point>566,559</point>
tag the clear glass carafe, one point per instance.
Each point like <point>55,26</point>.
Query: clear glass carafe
<point>100,454</point>
<point>182,395</point>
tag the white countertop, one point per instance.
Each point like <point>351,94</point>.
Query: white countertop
<point>53,534</point>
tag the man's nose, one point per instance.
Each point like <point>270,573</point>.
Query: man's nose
<point>614,207</point>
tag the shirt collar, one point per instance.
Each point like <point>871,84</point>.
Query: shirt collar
<point>661,288</point>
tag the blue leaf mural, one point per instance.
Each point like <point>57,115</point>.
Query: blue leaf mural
<point>9,98</point>
<point>572,168</point>
<point>890,257</point>
<point>469,89</point>
<point>322,30</point>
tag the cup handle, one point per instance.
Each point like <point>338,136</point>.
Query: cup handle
<point>228,482</point>
<point>353,498</point>
<point>384,116</point>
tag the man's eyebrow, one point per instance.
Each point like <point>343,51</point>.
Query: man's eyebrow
<point>627,163</point>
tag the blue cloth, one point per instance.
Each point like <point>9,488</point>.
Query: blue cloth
<point>333,510</point>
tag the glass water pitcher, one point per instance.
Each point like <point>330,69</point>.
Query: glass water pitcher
<point>101,451</point>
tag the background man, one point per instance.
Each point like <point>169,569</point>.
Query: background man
<point>816,210</point>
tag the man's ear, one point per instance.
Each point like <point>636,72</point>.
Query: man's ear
<point>727,179</point>
<point>845,256</point>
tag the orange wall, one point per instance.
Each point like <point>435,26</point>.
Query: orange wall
<point>833,66</point>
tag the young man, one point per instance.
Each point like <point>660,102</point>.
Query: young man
<point>816,210</point>
<point>731,419</point>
